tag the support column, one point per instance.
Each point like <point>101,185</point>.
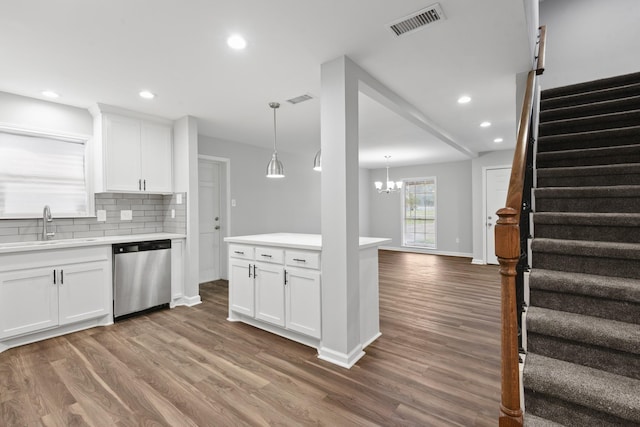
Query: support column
<point>340,223</point>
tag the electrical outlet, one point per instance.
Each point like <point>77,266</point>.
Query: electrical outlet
<point>457,240</point>
<point>233,203</point>
<point>173,213</point>
<point>126,215</point>
<point>101,215</point>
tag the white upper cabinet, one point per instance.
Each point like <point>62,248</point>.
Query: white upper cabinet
<point>132,152</point>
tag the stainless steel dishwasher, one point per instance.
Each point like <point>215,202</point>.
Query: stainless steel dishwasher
<point>141,277</point>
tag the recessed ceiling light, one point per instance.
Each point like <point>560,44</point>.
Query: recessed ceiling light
<point>236,42</point>
<point>464,99</point>
<point>50,94</point>
<point>485,124</point>
<point>498,140</point>
<point>147,95</point>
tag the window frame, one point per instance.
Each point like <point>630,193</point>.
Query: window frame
<point>85,140</point>
<point>435,212</point>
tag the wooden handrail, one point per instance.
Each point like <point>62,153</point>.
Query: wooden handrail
<point>507,244</point>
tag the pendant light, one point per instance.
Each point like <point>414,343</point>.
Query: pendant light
<point>317,161</point>
<point>392,187</point>
<point>275,168</point>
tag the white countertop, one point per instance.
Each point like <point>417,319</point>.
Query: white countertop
<point>298,241</point>
<point>41,245</point>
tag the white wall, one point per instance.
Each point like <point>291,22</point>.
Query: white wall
<point>264,205</point>
<point>492,158</point>
<point>590,39</point>
<point>365,202</point>
<point>453,205</point>
<point>36,114</point>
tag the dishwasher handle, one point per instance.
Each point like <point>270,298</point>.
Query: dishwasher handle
<point>152,245</point>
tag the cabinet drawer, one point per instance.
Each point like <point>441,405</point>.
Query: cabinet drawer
<point>273,255</point>
<point>240,251</point>
<point>303,259</point>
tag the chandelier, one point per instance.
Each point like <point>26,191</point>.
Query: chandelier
<point>392,187</point>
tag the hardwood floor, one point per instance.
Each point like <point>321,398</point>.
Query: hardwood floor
<point>436,364</point>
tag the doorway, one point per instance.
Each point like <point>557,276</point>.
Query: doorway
<point>495,192</point>
<point>212,219</point>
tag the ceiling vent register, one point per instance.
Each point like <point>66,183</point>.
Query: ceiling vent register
<point>418,20</point>
<point>299,99</point>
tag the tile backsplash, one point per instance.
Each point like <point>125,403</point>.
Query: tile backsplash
<point>151,213</point>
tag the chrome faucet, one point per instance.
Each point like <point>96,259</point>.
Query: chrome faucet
<point>46,218</point>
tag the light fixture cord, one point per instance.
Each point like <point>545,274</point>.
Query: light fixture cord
<point>275,150</point>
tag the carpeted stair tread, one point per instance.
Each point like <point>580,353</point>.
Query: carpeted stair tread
<point>586,248</point>
<point>595,122</point>
<point>617,169</point>
<point>589,139</point>
<point>588,218</point>
<point>596,331</point>
<point>593,85</point>
<point>577,157</point>
<point>598,95</point>
<point>590,191</point>
<point>613,288</point>
<point>592,388</point>
<point>533,421</point>
<point>591,109</point>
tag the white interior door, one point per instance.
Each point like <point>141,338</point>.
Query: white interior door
<point>209,213</point>
<point>497,184</point>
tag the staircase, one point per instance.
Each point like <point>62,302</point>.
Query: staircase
<point>583,324</point>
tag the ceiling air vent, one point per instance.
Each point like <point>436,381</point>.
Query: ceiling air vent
<point>418,20</point>
<point>299,99</point>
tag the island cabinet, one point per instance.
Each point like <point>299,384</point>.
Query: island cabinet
<point>42,290</point>
<point>276,289</point>
<point>132,152</point>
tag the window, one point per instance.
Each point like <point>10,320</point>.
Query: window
<point>419,213</point>
<point>38,170</point>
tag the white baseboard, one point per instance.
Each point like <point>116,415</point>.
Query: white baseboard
<point>340,359</point>
<point>426,251</point>
<point>477,261</point>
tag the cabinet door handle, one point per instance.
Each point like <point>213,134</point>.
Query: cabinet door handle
<point>139,184</point>
<point>144,184</point>
<point>54,277</point>
<point>254,271</point>
<point>300,260</point>
<point>265,255</point>
<point>249,270</point>
<point>62,277</point>
<point>285,277</point>
<point>238,252</point>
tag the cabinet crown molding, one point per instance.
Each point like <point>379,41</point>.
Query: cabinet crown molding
<point>98,108</point>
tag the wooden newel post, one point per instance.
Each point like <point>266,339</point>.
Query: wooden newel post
<point>507,238</point>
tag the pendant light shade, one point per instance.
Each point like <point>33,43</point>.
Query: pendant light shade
<point>392,187</point>
<point>317,161</point>
<point>275,168</point>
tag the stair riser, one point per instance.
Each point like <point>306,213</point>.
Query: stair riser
<point>567,413</point>
<point>588,232</point>
<point>589,97</point>
<point>613,361</point>
<point>580,142</point>
<point>616,267</point>
<point>556,160</point>
<point>589,180</point>
<point>603,205</point>
<point>575,112</point>
<point>590,124</point>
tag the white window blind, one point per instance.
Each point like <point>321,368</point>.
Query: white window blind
<point>40,170</point>
<point>419,218</point>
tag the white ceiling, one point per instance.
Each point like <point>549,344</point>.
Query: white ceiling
<point>107,51</point>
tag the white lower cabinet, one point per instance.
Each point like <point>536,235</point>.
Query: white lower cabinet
<point>264,287</point>
<point>303,301</point>
<point>269,291</point>
<point>38,293</point>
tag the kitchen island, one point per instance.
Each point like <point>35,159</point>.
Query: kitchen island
<point>275,284</point>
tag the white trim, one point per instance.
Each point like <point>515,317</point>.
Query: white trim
<point>226,231</point>
<point>435,209</point>
<point>425,251</point>
<point>341,359</point>
<point>191,301</point>
<point>43,132</point>
<point>484,206</point>
<point>476,261</point>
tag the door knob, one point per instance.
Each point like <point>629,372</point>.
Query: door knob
<point>217,227</point>
<point>216,218</point>
<point>489,224</point>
